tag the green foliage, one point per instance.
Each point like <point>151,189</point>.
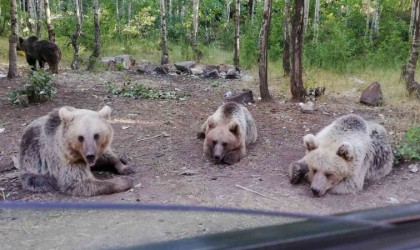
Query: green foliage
<point>37,89</point>
<point>138,90</point>
<point>409,149</point>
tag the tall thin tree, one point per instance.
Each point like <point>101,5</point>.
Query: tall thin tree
<point>263,44</point>
<point>38,17</point>
<point>296,81</point>
<point>286,44</point>
<point>164,48</point>
<point>236,35</point>
<point>316,20</point>
<point>409,70</point>
<point>74,39</point>
<point>197,52</point>
<point>13,39</point>
<point>97,44</point>
<point>50,27</point>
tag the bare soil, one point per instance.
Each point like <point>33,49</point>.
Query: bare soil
<point>159,137</point>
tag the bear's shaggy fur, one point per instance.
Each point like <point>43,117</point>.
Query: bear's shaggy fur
<point>342,155</point>
<point>227,133</point>
<point>58,150</point>
<point>41,51</point>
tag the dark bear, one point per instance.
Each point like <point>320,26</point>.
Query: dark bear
<point>41,51</point>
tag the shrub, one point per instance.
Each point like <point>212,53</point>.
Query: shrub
<point>409,149</point>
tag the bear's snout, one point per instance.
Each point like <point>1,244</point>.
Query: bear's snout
<point>316,192</point>
<point>91,159</point>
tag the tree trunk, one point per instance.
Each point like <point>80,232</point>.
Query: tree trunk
<point>306,15</point>
<point>117,16</point>
<point>165,56</point>
<point>286,47</point>
<point>50,27</point>
<point>97,46</point>
<point>412,17</point>
<point>38,18</point>
<point>227,13</point>
<point>75,62</point>
<point>13,39</point>
<point>129,11</point>
<point>367,17</point>
<point>408,73</point>
<point>296,82</point>
<point>375,20</point>
<point>263,44</point>
<point>197,52</point>
<point>316,20</point>
<point>32,15</point>
<point>236,36</point>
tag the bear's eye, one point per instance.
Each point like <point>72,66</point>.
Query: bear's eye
<point>214,143</point>
<point>314,170</point>
<point>81,138</point>
<point>224,144</point>
<point>96,137</point>
<point>328,175</point>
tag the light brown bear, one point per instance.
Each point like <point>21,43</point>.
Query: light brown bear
<point>342,155</point>
<point>227,133</point>
<point>58,150</point>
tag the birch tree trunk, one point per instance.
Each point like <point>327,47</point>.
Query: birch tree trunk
<point>296,81</point>
<point>413,12</point>
<point>236,35</point>
<point>263,44</point>
<point>253,10</point>
<point>286,47</point>
<point>409,71</point>
<point>316,20</point>
<point>306,15</point>
<point>97,45</point>
<point>50,27</point>
<point>75,62</point>
<point>13,39</point>
<point>165,56</point>
<point>38,18</point>
<point>197,52</point>
<point>32,15</point>
<point>367,17</point>
<point>129,11</point>
<point>227,13</point>
<point>375,20</point>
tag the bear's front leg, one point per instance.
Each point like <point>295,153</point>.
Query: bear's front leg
<point>119,164</point>
<point>297,171</point>
<point>91,187</point>
<point>232,157</point>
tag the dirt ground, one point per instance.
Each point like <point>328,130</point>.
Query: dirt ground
<point>159,137</point>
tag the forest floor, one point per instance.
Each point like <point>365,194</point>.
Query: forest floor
<point>159,137</point>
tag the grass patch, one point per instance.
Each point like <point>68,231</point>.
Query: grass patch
<point>138,90</point>
<point>409,149</point>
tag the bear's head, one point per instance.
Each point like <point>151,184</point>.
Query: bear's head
<point>328,164</point>
<point>221,139</point>
<point>24,43</point>
<point>86,133</point>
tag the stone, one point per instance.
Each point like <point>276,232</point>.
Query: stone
<point>211,67</point>
<point>307,108</point>
<point>185,66</point>
<point>161,70</point>
<point>372,95</point>
<point>214,74</point>
<point>231,74</point>
<point>242,98</point>
<point>195,71</point>
<point>146,68</point>
<point>127,60</point>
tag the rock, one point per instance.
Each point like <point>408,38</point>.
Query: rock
<point>214,74</point>
<point>195,71</point>
<point>212,67</point>
<point>6,163</point>
<point>223,68</point>
<point>413,168</point>
<point>243,98</point>
<point>185,66</point>
<point>372,95</point>
<point>127,60</point>
<point>161,70</point>
<point>315,92</point>
<point>307,108</point>
<point>231,74</point>
<point>146,68</point>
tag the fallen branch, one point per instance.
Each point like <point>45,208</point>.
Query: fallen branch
<point>252,191</point>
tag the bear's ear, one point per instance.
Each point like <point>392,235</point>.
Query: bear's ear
<point>310,142</point>
<point>20,40</point>
<point>105,112</point>
<point>234,129</point>
<point>345,151</point>
<point>65,114</point>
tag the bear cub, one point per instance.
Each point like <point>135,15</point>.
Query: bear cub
<point>227,133</point>
<point>41,51</point>
<point>342,155</point>
<point>58,150</point>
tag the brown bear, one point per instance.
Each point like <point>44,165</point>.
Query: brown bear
<point>58,150</point>
<point>227,133</point>
<point>342,155</point>
<point>41,51</point>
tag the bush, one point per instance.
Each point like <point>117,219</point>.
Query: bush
<point>409,149</point>
<point>37,89</point>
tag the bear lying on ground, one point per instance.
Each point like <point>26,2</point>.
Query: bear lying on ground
<point>342,155</point>
<point>58,150</point>
<point>227,133</point>
<point>41,51</point>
